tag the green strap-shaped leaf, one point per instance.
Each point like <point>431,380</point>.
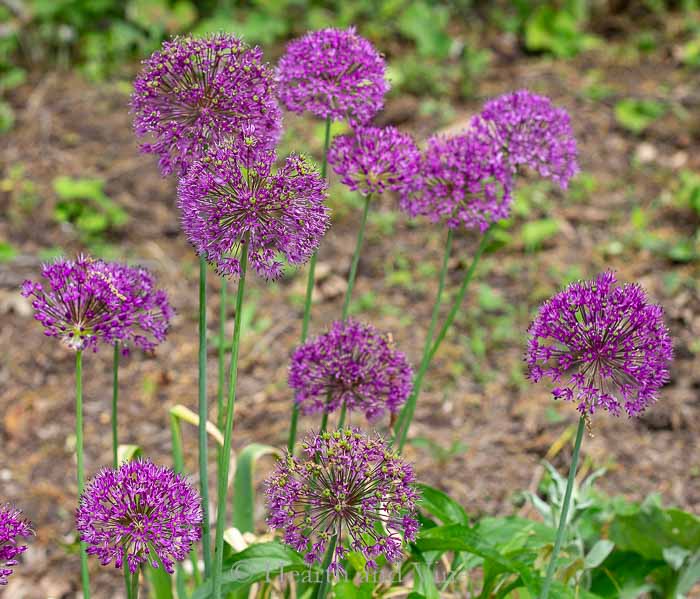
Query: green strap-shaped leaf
<point>160,583</point>
<point>243,489</point>
<point>126,453</point>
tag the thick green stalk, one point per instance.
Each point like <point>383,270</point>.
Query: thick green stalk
<point>564,509</point>
<point>324,585</point>
<point>222,355</point>
<point>410,406</point>
<point>203,416</point>
<point>310,282</point>
<point>115,399</point>
<point>356,257</point>
<point>225,461</point>
<point>84,574</point>
<point>135,584</point>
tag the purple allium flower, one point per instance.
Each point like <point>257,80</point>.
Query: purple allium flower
<point>333,73</point>
<point>463,180</point>
<point>348,486</point>
<point>352,363</point>
<point>608,340</point>
<point>374,159</point>
<point>85,302</point>
<point>12,528</point>
<point>531,131</point>
<point>233,195</point>
<point>139,513</point>
<point>196,91</point>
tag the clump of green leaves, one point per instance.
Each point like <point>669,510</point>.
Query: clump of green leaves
<point>636,115</point>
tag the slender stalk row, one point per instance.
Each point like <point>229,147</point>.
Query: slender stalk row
<point>79,450</point>
<point>221,386</point>
<point>115,399</point>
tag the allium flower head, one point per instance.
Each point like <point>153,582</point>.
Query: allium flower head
<point>463,181</point>
<point>375,159</point>
<point>352,363</point>
<point>139,513</point>
<point>233,195</point>
<point>349,487</point>
<point>196,91</point>
<point>531,131</point>
<point>12,528</point>
<point>606,344</point>
<point>333,73</point>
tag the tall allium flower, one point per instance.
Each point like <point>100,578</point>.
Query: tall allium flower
<point>139,513</point>
<point>333,73</point>
<point>463,181</point>
<point>85,302</point>
<point>12,528</point>
<point>375,159</point>
<point>531,131</point>
<point>233,195</point>
<point>352,363</point>
<point>196,91</point>
<point>606,344</point>
<point>348,487</point>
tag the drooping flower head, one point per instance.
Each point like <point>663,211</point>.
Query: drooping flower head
<point>348,487</point>
<point>196,91</point>
<point>375,159</point>
<point>333,73</point>
<point>137,514</point>
<point>233,195</point>
<point>13,527</point>
<point>533,132</point>
<point>352,363</point>
<point>463,181</point>
<point>606,345</point>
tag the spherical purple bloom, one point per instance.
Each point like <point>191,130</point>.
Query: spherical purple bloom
<point>233,196</point>
<point>348,486</point>
<point>608,342</point>
<point>333,73</point>
<point>197,91</point>
<point>353,363</point>
<point>463,181</point>
<point>531,131</point>
<point>375,159</point>
<point>12,528</point>
<point>139,513</point>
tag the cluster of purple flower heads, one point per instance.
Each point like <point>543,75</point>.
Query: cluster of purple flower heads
<point>463,181</point>
<point>13,527</point>
<point>89,301</point>
<point>196,91</point>
<point>375,159</point>
<point>232,197</point>
<point>139,513</point>
<point>351,364</point>
<point>348,486</point>
<point>531,131</point>
<point>333,73</point>
<point>608,342</point>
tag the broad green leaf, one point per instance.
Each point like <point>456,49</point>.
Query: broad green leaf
<point>443,507</point>
<point>243,489</point>
<point>689,576</point>
<point>598,554</point>
<point>346,589</point>
<point>623,575</point>
<point>424,581</point>
<point>160,583</point>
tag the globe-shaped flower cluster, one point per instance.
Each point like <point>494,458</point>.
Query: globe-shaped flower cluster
<point>13,528</point>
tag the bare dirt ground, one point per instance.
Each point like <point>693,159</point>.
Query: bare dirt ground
<point>474,395</point>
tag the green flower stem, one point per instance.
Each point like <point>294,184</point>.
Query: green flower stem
<point>324,585</point>
<point>84,574</point>
<point>115,399</point>
<point>222,355</point>
<point>225,462</point>
<point>310,282</point>
<point>135,584</point>
<point>418,383</point>
<point>203,415</point>
<point>356,258</point>
<point>564,509</point>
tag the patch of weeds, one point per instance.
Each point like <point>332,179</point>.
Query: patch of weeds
<point>365,303</point>
<point>636,115</point>
<point>22,192</point>
<point>535,233</point>
<point>383,222</point>
<point>595,88</point>
<point>8,252</point>
<point>557,31</point>
<point>582,187</point>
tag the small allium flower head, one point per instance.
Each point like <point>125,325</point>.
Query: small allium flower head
<point>12,528</point>
<point>196,91</point>
<point>606,345</point>
<point>333,73</point>
<point>139,513</point>
<point>375,159</point>
<point>233,195</point>
<point>352,363</point>
<point>463,181</point>
<point>348,486</point>
<point>531,131</point>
